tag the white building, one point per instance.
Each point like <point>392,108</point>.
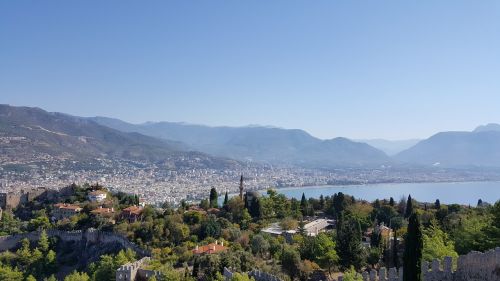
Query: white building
<point>97,196</point>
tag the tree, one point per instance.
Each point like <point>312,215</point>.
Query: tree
<point>352,275</point>
<point>321,202</point>
<point>213,198</point>
<point>210,228</point>
<point>339,204</point>
<point>373,256</point>
<point>30,278</point>
<point>391,202</point>
<point>412,257</point>
<point>241,277</point>
<point>437,245</point>
<point>288,224</point>
<point>226,201</point>
<point>319,249</point>
<point>349,246</point>
<point>259,245</point>
<point>204,204</point>
<point>77,276</point>
<point>290,261</point>
<point>409,207</point>
<point>304,205</point>
<point>43,242</point>
<point>8,273</point>
<point>437,204</point>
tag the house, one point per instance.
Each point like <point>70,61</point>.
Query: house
<point>132,213</point>
<point>142,202</point>
<point>97,196</point>
<point>63,210</point>
<point>106,213</point>
<point>211,248</point>
<point>312,228</point>
<point>315,227</point>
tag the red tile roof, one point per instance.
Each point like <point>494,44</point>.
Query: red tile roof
<point>101,210</point>
<point>133,210</point>
<point>67,206</point>
<point>209,249</point>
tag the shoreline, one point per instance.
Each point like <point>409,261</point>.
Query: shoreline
<point>378,183</point>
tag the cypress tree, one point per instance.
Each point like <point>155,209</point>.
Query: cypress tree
<point>409,207</point>
<point>226,200</point>
<point>395,255</point>
<point>391,202</point>
<point>303,205</point>
<point>213,198</point>
<point>321,202</point>
<point>196,267</point>
<point>412,258</point>
<point>437,204</point>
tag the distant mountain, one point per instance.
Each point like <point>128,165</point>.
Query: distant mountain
<point>488,127</point>
<point>456,149</point>
<point>390,147</point>
<point>257,143</point>
<point>32,134</point>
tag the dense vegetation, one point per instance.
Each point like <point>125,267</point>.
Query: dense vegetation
<point>358,241</point>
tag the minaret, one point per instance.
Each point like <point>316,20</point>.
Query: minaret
<point>241,187</point>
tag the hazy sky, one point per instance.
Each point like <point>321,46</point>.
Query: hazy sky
<point>360,69</point>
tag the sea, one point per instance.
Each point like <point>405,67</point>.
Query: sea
<point>466,193</point>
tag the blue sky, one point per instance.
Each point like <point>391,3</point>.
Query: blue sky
<point>360,69</point>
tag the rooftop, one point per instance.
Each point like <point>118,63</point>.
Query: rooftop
<point>209,249</point>
<point>67,206</point>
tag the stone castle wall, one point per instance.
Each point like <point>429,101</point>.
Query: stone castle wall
<point>129,271</point>
<point>256,274</point>
<point>90,236</point>
<point>474,266</point>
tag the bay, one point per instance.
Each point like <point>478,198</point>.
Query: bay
<point>450,192</point>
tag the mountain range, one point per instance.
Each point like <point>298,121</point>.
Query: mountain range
<point>27,132</point>
<point>262,144</point>
<point>479,148</point>
<point>32,134</point>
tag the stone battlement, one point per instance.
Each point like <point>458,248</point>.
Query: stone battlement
<point>129,271</point>
<point>90,236</point>
<point>475,266</point>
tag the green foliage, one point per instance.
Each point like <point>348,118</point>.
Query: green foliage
<point>437,245</point>
<point>412,258</point>
<point>259,245</point>
<point>9,224</point>
<point>8,273</point>
<point>210,228</point>
<point>409,207</point>
<point>40,221</point>
<point>77,276</point>
<point>106,267</point>
<point>43,242</point>
<point>352,275</point>
<point>349,248</point>
<point>290,261</point>
<point>241,277</point>
<point>373,256</point>
<point>321,250</point>
<point>213,198</point>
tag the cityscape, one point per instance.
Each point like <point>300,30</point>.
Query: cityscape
<point>249,140</point>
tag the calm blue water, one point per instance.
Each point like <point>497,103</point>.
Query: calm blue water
<point>461,193</point>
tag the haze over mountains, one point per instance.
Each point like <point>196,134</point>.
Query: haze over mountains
<point>480,148</point>
<point>32,134</point>
<point>263,144</point>
<point>29,132</point>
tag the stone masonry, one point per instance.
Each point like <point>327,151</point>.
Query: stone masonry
<point>474,266</point>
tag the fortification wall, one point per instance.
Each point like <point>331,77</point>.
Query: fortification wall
<point>474,266</point>
<point>90,236</point>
